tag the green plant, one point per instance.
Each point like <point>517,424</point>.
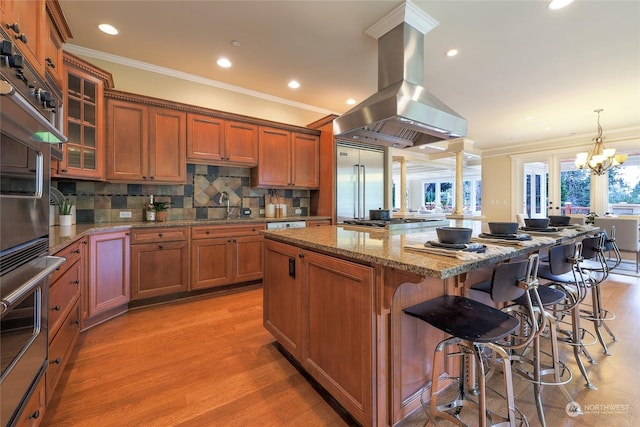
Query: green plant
<point>64,208</point>
<point>161,206</point>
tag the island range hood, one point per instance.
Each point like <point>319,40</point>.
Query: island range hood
<point>402,113</point>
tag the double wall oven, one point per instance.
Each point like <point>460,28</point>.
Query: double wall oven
<point>29,128</point>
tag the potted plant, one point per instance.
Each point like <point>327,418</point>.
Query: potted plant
<point>161,211</point>
<point>64,211</point>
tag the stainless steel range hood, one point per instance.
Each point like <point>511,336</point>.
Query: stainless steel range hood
<point>402,113</point>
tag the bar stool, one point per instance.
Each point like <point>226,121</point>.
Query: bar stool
<point>475,328</point>
<point>564,273</point>
<point>595,264</point>
<point>610,244</point>
<point>532,305</point>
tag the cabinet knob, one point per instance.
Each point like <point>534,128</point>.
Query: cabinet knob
<point>76,322</point>
<point>64,170</point>
<point>56,308</point>
<point>56,361</point>
<point>159,246</point>
<point>50,63</point>
<point>35,415</point>
<point>76,282</point>
<point>153,177</point>
<point>15,27</point>
<point>144,177</point>
<point>159,234</point>
<point>77,251</point>
<point>300,256</point>
<point>207,232</point>
<point>22,37</point>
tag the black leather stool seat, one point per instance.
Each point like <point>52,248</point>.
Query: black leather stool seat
<point>548,296</point>
<point>465,318</point>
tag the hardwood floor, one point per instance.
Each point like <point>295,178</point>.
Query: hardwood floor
<point>209,362</point>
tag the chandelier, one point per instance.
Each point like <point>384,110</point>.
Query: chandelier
<point>599,159</point>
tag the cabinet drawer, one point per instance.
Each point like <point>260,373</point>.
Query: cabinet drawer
<point>35,407</point>
<point>211,231</point>
<point>72,253</point>
<point>161,234</point>
<point>63,293</point>
<point>60,348</point>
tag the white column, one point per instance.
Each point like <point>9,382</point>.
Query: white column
<point>458,210</point>
<point>600,193</point>
<point>403,182</point>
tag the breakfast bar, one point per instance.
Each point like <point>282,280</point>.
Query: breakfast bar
<point>333,299</point>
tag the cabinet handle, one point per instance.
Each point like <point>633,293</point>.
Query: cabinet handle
<point>207,232</point>
<point>144,177</point>
<point>85,243</point>
<point>56,361</point>
<point>50,63</point>
<point>76,322</point>
<point>76,282</point>
<point>64,170</point>
<point>159,234</point>
<point>35,415</point>
<point>56,308</point>
<point>153,177</point>
<point>300,256</point>
<point>159,246</point>
<point>77,251</point>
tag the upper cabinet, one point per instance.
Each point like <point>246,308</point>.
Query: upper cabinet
<point>217,141</point>
<point>146,142</point>
<point>57,32</point>
<point>286,159</point>
<point>25,22</point>
<point>83,156</point>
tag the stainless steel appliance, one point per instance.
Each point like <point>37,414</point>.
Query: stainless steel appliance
<point>394,223</point>
<point>359,181</point>
<point>402,113</point>
<point>283,225</point>
<point>27,117</point>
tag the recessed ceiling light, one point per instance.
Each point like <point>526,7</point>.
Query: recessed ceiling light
<point>235,43</point>
<point>108,29</point>
<point>452,52</point>
<point>294,84</point>
<point>224,63</point>
<point>558,4</point>
<point>528,118</point>
<point>351,101</point>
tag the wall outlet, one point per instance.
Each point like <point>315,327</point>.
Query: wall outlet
<point>298,211</point>
<point>261,211</point>
<point>125,214</point>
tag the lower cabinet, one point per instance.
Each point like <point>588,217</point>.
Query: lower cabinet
<point>226,254</point>
<point>159,261</point>
<point>108,290</point>
<point>321,310</point>
<point>34,409</point>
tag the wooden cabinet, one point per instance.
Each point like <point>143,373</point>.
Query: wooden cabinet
<point>286,159</point>
<point>159,261</point>
<point>145,143</point>
<point>84,124</point>
<point>318,222</point>
<point>33,412</point>
<point>25,22</point>
<point>56,32</point>
<point>320,309</point>
<point>108,275</point>
<point>226,254</point>
<point>218,141</point>
<point>67,286</point>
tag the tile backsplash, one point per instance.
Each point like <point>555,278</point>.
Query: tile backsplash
<point>199,198</point>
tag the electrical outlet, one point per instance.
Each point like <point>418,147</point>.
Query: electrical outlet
<point>125,214</point>
<point>298,211</point>
<point>261,211</point>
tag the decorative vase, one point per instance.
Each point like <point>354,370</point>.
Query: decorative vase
<point>65,220</point>
<point>161,216</point>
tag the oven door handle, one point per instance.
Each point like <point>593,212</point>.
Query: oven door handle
<point>34,271</point>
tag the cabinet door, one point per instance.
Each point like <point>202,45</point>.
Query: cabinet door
<point>159,269</point>
<point>108,271</point>
<point>305,168</point>
<point>84,152</point>
<point>127,141</point>
<point>211,263</point>
<point>282,294</point>
<point>205,138</point>
<point>33,412</point>
<point>167,145</point>
<point>249,251</point>
<point>339,328</point>
<point>53,53</point>
<point>274,157</point>
<point>31,19</point>
<point>241,143</point>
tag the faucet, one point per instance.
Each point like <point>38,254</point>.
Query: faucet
<point>224,197</point>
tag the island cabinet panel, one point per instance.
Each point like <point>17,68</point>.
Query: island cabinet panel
<point>320,309</point>
<point>109,279</point>
<point>282,295</point>
<point>226,254</point>
<point>159,261</point>
<point>338,330</point>
<point>35,407</point>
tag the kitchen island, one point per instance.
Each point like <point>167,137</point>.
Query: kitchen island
<point>333,299</point>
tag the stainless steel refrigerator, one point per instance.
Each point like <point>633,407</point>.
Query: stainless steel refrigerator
<point>359,181</point>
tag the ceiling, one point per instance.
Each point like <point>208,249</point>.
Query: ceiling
<point>523,73</point>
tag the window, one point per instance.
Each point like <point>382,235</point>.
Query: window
<point>575,188</point>
<point>624,188</point>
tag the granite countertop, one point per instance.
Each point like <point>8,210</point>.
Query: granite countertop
<point>388,249</point>
<point>60,237</point>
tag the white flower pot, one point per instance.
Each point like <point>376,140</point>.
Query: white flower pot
<point>65,220</point>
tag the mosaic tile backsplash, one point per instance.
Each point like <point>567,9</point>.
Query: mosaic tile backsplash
<point>199,198</point>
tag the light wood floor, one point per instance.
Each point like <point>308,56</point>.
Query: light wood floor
<point>209,362</point>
